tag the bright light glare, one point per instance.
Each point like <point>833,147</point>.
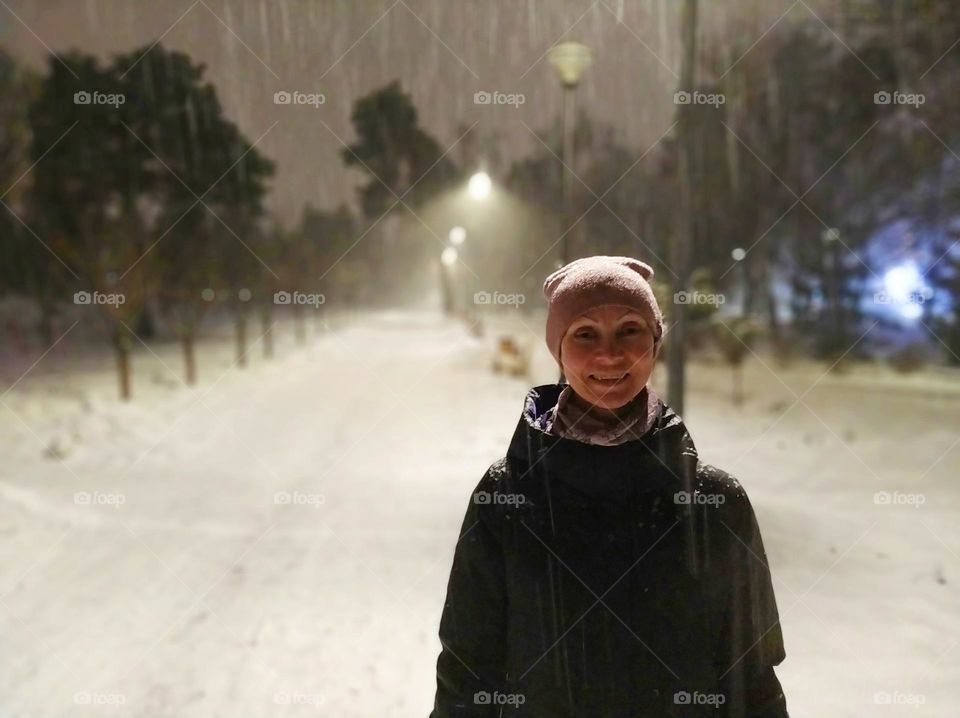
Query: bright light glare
<point>458,235</point>
<point>906,289</point>
<point>449,257</point>
<point>480,185</point>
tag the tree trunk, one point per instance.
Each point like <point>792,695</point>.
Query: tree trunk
<point>267,328</point>
<point>121,345</point>
<point>240,322</point>
<point>187,341</point>
<point>45,325</point>
<point>299,328</point>
<point>738,384</point>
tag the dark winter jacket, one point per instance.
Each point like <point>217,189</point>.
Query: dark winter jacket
<point>608,582</point>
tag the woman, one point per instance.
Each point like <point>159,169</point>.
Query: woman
<point>602,570</point>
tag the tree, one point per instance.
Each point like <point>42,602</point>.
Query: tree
<point>85,193</point>
<point>206,183</point>
<point>403,162</point>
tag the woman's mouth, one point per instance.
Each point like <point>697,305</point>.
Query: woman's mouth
<point>610,379</point>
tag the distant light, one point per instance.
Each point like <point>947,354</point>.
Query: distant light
<point>738,254</point>
<point>906,289</point>
<point>458,235</point>
<point>831,234</point>
<point>902,280</point>
<point>480,185</point>
<point>448,257</point>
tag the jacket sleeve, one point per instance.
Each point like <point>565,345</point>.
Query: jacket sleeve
<point>471,665</point>
<point>751,641</point>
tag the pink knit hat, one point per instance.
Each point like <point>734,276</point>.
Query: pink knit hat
<point>591,282</point>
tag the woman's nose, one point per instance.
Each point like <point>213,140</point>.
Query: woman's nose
<point>610,350</point>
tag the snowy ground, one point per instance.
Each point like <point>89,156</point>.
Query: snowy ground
<point>277,541</point>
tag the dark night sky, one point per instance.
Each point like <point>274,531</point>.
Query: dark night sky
<point>443,51</point>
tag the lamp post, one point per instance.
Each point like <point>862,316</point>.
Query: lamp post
<point>448,257</point>
<point>569,59</point>
<point>831,238</point>
<point>738,256</point>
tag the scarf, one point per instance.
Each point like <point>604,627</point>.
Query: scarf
<point>572,421</point>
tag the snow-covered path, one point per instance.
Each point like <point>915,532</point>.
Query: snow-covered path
<point>277,542</point>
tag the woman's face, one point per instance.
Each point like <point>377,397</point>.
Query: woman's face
<point>607,355</point>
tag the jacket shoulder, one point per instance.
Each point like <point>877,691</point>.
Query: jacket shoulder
<point>725,493</point>
<point>711,479</point>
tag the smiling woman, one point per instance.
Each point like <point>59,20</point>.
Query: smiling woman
<point>602,569</point>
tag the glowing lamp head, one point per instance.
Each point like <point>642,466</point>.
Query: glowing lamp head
<point>480,185</point>
<point>448,257</point>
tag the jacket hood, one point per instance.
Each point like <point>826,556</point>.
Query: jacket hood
<point>664,459</point>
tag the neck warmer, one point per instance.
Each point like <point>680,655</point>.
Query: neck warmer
<point>568,419</point>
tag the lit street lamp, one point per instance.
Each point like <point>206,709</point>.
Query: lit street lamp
<point>447,259</point>
<point>569,59</point>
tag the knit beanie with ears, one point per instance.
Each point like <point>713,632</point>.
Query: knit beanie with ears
<point>591,282</point>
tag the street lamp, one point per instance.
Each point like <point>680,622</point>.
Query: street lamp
<point>569,59</point>
<point>831,237</point>
<point>738,255</point>
<point>457,236</point>
<point>447,259</point>
<point>479,186</point>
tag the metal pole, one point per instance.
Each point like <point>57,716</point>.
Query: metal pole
<point>680,248</point>
<point>569,127</point>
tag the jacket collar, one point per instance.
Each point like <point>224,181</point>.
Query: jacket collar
<point>663,460</point>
